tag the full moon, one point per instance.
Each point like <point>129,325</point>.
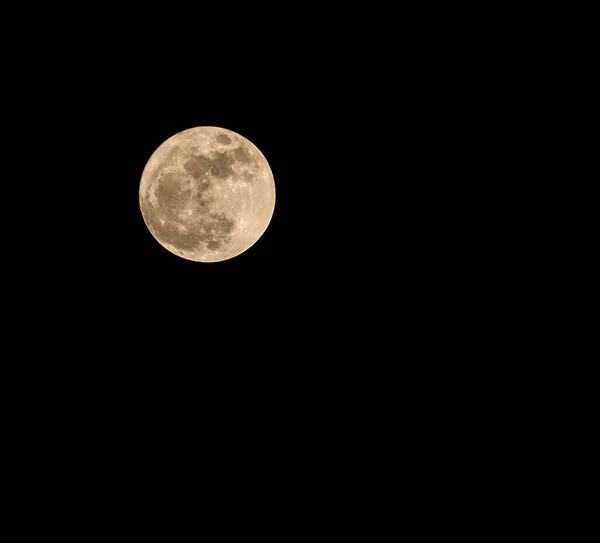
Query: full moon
<point>207,194</point>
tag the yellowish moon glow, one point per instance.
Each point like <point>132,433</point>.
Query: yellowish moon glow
<point>207,194</point>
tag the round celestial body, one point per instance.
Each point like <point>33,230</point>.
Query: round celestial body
<point>207,194</point>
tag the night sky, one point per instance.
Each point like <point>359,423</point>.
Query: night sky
<point>280,288</point>
<point>350,348</point>
<point>359,137</point>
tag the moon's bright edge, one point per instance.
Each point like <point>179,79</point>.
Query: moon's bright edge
<point>207,194</point>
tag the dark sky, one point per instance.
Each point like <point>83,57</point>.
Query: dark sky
<point>111,270</point>
<point>353,317</point>
<point>356,130</point>
<point>368,336</point>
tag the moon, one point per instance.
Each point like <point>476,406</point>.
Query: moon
<point>207,194</point>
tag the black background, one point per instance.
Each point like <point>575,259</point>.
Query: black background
<point>372,125</point>
<point>365,316</point>
<point>317,104</point>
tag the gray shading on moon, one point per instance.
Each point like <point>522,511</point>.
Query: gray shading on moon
<point>207,194</point>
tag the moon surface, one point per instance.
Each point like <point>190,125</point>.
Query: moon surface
<point>207,194</point>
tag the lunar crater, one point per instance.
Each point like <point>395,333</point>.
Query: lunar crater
<point>222,166</point>
<point>224,139</point>
<point>198,166</point>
